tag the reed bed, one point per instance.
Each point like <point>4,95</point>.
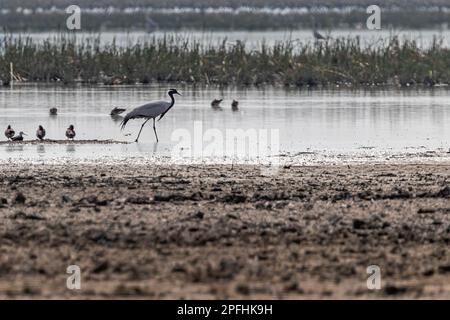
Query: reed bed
<point>170,59</point>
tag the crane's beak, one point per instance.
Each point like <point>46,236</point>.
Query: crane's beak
<point>179,94</point>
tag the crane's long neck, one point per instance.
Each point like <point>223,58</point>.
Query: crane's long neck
<point>172,100</point>
<point>170,107</point>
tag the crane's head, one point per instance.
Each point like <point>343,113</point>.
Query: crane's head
<point>173,91</point>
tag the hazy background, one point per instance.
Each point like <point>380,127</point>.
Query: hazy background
<point>148,15</point>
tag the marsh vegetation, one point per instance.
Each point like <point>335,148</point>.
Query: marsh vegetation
<point>172,59</point>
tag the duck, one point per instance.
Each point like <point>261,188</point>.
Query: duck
<point>9,133</point>
<point>40,133</point>
<point>53,111</point>
<point>235,105</point>
<point>116,111</point>
<point>19,137</point>
<point>70,132</point>
<point>215,104</point>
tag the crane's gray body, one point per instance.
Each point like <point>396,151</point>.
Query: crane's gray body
<point>150,110</point>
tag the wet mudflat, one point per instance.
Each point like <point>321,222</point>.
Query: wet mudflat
<point>152,231</point>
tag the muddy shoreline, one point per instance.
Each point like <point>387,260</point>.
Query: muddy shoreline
<point>61,142</point>
<point>171,232</point>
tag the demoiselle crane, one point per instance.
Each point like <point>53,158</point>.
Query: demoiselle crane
<point>151,110</point>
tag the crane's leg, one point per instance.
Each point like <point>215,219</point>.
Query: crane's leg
<point>154,129</point>
<point>141,129</point>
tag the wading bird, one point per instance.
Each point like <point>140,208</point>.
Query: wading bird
<point>116,111</point>
<point>318,36</point>
<point>53,111</point>
<point>215,104</point>
<point>9,133</point>
<point>70,132</point>
<point>235,105</point>
<point>40,133</point>
<point>19,137</point>
<point>151,110</point>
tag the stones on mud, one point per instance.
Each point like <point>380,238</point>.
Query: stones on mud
<point>232,216</point>
<point>20,215</point>
<point>433,210</point>
<point>3,203</point>
<point>234,198</point>
<point>20,198</point>
<point>428,273</point>
<point>263,206</point>
<point>168,197</point>
<point>293,287</point>
<point>175,197</point>
<point>130,290</point>
<point>199,215</point>
<point>101,203</point>
<point>100,267</point>
<point>96,235</point>
<point>342,196</point>
<point>443,193</point>
<point>91,201</point>
<point>276,196</point>
<point>372,223</point>
<point>178,268</point>
<point>139,200</point>
<point>65,198</point>
<point>365,195</point>
<point>444,269</point>
<point>227,269</point>
<point>243,289</point>
<point>196,196</point>
<point>392,290</point>
<point>426,211</point>
<point>359,224</point>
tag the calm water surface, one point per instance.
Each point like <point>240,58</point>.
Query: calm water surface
<point>375,123</point>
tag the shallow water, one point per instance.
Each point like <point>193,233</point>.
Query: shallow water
<point>310,125</point>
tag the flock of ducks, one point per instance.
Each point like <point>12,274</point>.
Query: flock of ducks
<point>215,104</point>
<point>10,134</point>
